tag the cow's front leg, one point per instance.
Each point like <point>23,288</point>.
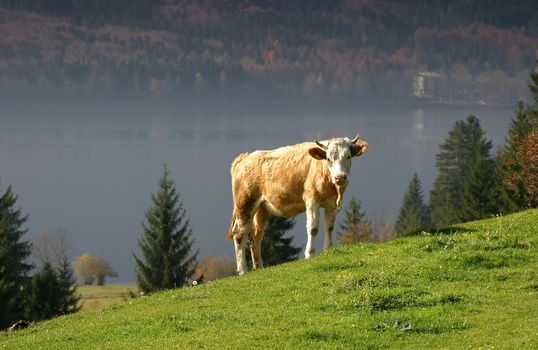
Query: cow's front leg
<point>312,224</point>
<point>330,216</point>
<point>240,258</point>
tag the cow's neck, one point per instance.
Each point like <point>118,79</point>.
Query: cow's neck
<point>338,189</point>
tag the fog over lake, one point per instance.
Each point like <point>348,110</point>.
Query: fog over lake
<point>92,168</point>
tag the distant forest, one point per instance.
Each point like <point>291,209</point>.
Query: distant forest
<point>438,51</point>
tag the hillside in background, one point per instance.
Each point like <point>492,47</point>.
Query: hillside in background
<point>473,285</point>
<point>440,51</point>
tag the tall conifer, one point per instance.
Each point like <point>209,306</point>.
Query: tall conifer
<point>166,242</point>
<point>480,197</point>
<point>68,294</point>
<point>465,143</point>
<point>44,300</point>
<point>52,291</point>
<point>413,212</point>
<point>14,253</point>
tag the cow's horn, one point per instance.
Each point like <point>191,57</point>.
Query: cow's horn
<point>320,144</point>
<point>355,139</point>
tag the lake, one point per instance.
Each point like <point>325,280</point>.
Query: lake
<point>91,168</point>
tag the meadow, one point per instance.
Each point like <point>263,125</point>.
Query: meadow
<point>94,297</point>
<point>472,286</point>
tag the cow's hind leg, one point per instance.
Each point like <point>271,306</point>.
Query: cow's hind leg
<point>260,222</point>
<point>244,228</point>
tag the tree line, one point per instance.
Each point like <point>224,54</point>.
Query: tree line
<point>304,49</point>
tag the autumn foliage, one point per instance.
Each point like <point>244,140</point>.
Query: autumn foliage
<point>528,153</point>
<point>90,269</point>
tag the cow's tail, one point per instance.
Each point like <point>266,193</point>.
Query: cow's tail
<point>230,234</point>
<point>238,159</point>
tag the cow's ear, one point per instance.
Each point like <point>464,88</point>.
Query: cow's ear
<point>358,148</point>
<point>317,153</point>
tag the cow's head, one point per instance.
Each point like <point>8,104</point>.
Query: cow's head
<point>338,153</point>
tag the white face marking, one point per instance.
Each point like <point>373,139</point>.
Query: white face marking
<point>339,161</point>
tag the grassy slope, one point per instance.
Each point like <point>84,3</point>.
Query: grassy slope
<point>474,285</point>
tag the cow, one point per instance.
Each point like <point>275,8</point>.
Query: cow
<point>285,182</point>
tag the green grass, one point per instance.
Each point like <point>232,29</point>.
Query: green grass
<point>93,297</point>
<point>473,286</point>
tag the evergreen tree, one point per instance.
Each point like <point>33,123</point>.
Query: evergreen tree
<point>44,300</point>
<point>413,212</point>
<point>166,243</point>
<point>465,143</point>
<point>13,255</point>
<point>52,292</point>
<point>354,228</point>
<point>520,126</point>
<point>68,295</point>
<point>480,196</point>
<point>276,248</point>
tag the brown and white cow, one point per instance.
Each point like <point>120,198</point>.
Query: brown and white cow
<point>286,182</point>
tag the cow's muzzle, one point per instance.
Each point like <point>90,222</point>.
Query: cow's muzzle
<point>340,180</point>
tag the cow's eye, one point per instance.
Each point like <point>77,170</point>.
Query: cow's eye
<point>328,159</point>
<point>348,157</point>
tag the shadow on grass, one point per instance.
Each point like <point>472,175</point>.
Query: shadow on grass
<point>437,231</point>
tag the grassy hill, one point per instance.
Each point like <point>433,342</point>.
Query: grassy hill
<point>469,286</point>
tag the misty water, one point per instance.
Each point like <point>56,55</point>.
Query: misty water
<point>92,169</point>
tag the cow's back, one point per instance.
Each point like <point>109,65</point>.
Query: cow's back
<point>276,178</point>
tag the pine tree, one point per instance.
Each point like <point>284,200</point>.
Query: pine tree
<point>454,161</point>
<point>44,299</point>
<point>276,248</point>
<point>166,242</point>
<point>480,196</point>
<point>354,228</point>
<point>52,292</point>
<point>13,255</point>
<point>413,212</point>
<point>68,295</point>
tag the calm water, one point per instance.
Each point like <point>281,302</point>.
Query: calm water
<point>91,169</point>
